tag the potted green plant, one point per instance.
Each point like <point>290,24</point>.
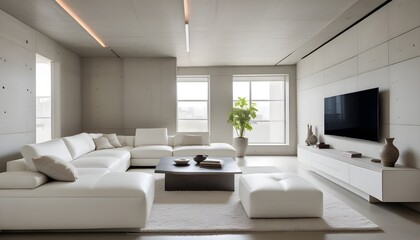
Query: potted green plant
<point>240,117</point>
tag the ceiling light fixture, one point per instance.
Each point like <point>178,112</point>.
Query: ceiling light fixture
<point>80,21</point>
<point>187,29</point>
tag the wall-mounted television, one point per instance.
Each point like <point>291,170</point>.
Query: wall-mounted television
<point>354,115</point>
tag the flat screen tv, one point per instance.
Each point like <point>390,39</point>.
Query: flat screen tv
<point>354,115</point>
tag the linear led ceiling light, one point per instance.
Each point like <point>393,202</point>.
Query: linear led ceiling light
<point>187,30</point>
<point>80,21</point>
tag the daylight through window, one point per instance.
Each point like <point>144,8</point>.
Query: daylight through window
<point>268,93</point>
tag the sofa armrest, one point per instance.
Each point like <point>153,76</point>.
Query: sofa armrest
<point>17,165</point>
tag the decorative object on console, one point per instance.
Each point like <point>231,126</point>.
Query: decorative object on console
<point>389,154</point>
<point>351,154</point>
<point>240,117</point>
<point>200,158</point>
<point>323,146</point>
<point>311,139</point>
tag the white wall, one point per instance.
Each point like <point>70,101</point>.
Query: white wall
<point>221,103</point>
<point>18,47</point>
<point>381,51</point>
<point>120,95</point>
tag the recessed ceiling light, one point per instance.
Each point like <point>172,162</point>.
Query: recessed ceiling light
<point>80,21</point>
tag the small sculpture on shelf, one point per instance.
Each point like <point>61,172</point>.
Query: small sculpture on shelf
<point>311,139</point>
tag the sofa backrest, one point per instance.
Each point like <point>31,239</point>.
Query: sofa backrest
<point>126,140</point>
<point>151,136</point>
<point>55,147</point>
<point>179,137</point>
<point>79,144</point>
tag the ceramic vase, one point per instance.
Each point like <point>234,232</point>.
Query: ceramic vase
<point>389,154</point>
<point>311,139</point>
<point>240,145</point>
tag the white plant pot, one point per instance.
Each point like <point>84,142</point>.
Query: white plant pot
<point>240,145</point>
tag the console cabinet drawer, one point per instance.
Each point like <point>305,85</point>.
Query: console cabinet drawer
<point>337,169</point>
<point>366,180</point>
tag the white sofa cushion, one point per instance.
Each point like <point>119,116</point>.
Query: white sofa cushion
<point>88,203</point>
<point>192,140</point>
<point>55,147</point>
<point>116,160</point>
<point>179,138</point>
<point>22,179</point>
<point>153,151</point>
<point>188,151</point>
<point>151,136</point>
<point>56,168</point>
<point>214,150</point>
<point>79,144</point>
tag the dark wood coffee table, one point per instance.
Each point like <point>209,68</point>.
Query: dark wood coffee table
<point>195,178</point>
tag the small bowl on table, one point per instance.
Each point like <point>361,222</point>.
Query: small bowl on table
<point>182,162</point>
<point>200,158</point>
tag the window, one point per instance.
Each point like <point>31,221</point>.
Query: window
<point>268,93</point>
<point>192,104</point>
<point>43,99</point>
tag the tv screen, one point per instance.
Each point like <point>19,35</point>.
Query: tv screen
<point>354,115</point>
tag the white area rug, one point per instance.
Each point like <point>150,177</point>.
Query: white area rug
<point>216,212</point>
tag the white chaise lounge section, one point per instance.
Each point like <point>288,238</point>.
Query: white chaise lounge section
<point>97,200</point>
<point>279,195</point>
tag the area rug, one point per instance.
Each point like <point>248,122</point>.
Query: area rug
<point>222,212</point>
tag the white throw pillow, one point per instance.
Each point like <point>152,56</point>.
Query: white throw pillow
<point>113,140</point>
<point>56,168</point>
<point>151,136</point>
<point>22,179</point>
<point>188,140</point>
<point>102,143</point>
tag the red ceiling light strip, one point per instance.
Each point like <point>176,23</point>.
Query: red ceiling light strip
<point>80,21</point>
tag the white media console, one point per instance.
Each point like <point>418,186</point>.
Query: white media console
<point>370,180</point>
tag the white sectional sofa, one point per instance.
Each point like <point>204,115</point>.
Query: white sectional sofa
<point>104,196</point>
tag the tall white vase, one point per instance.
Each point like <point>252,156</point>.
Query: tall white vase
<point>240,145</point>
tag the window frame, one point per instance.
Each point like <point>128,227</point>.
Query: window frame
<point>193,78</point>
<point>285,78</point>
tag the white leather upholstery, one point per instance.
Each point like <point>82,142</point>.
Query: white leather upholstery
<point>178,138</point>
<point>152,151</point>
<point>22,179</point>
<point>145,162</point>
<point>17,165</point>
<point>54,147</point>
<point>79,144</point>
<point>151,136</point>
<point>94,201</point>
<point>116,160</point>
<point>126,140</point>
<point>279,195</point>
<point>214,150</point>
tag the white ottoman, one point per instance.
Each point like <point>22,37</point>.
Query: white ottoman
<point>279,195</point>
